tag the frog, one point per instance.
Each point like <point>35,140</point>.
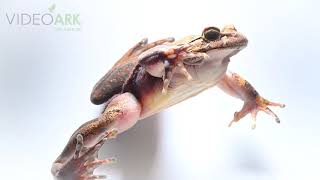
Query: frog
<point>151,77</point>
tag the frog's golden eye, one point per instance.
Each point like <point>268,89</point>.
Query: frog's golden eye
<point>211,33</point>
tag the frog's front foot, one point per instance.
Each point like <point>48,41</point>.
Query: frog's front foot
<point>237,86</point>
<point>253,107</point>
<point>84,161</point>
<point>165,61</point>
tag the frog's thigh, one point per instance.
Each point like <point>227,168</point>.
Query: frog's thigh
<point>125,110</point>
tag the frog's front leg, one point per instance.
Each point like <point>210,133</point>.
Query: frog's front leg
<point>238,87</point>
<point>80,156</point>
<point>165,61</point>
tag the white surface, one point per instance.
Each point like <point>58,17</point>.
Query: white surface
<point>46,78</point>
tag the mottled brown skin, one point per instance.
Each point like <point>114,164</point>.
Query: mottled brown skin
<point>112,83</point>
<point>134,89</point>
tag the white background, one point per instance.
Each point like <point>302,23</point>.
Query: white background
<point>46,78</point>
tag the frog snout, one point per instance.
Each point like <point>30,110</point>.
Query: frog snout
<point>229,28</point>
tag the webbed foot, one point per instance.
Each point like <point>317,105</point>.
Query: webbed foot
<point>253,107</point>
<point>84,161</point>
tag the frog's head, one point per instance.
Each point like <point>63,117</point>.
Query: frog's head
<point>228,37</point>
<point>217,44</point>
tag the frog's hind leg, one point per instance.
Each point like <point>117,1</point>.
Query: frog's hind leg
<point>80,157</point>
<point>238,87</point>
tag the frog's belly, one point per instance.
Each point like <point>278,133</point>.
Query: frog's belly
<point>180,89</point>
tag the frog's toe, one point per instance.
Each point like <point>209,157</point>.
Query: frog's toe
<point>92,165</point>
<point>169,70</point>
<point>144,42</point>
<point>184,71</point>
<point>89,177</point>
<point>111,134</point>
<point>79,146</point>
<point>263,106</point>
<point>271,113</point>
<point>96,163</point>
<point>91,161</point>
<point>156,43</point>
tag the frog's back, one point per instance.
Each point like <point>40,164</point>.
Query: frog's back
<point>111,83</point>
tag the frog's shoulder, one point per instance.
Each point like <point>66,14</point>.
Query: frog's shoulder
<point>112,83</point>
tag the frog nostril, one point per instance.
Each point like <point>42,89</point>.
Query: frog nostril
<point>211,33</point>
<point>229,28</point>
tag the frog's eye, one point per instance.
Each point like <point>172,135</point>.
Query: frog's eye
<point>211,33</point>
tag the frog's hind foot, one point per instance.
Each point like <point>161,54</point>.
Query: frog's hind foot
<point>253,107</point>
<point>92,162</point>
<point>84,161</point>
